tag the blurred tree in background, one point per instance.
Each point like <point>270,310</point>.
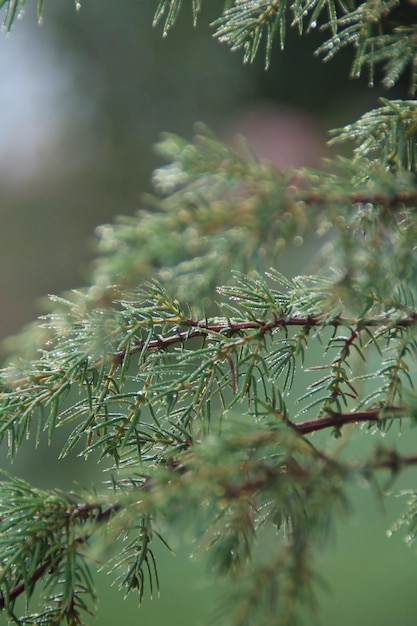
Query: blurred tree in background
<point>217,412</point>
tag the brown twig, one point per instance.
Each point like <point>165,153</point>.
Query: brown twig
<point>337,420</point>
<point>405,198</point>
<point>16,591</point>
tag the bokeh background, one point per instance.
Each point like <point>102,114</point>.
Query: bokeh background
<point>83,97</point>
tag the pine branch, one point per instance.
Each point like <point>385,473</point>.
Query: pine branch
<point>92,512</point>
<point>157,334</point>
<point>388,133</point>
<point>247,22</point>
<point>263,478</point>
<point>262,204</point>
<point>53,530</point>
<point>381,31</point>
<point>229,328</point>
<point>195,405</point>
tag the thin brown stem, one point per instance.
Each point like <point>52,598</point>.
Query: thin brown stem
<point>16,591</point>
<point>337,420</point>
<point>401,198</point>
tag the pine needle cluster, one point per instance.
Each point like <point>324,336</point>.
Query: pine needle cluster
<point>200,372</point>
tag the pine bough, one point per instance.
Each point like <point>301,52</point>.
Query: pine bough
<point>208,407</point>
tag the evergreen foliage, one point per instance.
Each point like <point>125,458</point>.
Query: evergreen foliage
<point>205,409</point>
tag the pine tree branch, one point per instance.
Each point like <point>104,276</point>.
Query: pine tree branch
<point>202,329</point>
<point>92,512</point>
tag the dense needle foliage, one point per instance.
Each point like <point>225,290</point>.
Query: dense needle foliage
<point>199,371</point>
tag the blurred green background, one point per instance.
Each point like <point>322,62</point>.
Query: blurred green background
<point>82,98</point>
